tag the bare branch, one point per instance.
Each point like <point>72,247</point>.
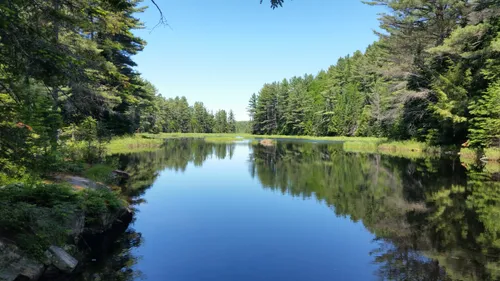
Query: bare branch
<point>163,20</point>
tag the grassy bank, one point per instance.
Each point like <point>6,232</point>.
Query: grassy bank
<point>136,143</point>
<point>411,149</point>
<point>408,149</point>
<point>236,137</point>
<point>414,149</point>
<point>488,154</point>
<point>149,142</point>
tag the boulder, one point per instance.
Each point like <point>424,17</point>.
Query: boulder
<point>79,182</point>
<point>121,173</point>
<point>76,225</point>
<point>267,142</point>
<point>60,259</point>
<point>15,266</point>
<point>107,220</point>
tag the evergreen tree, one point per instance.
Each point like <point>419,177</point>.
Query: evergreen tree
<point>220,122</point>
<point>231,122</point>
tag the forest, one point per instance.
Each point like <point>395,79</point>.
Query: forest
<point>67,74</point>
<point>433,76</point>
<point>69,85</point>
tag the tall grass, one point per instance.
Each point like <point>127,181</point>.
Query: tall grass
<point>360,146</point>
<point>136,143</point>
<point>410,149</point>
<point>488,154</point>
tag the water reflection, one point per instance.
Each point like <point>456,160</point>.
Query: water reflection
<point>433,218</point>
<point>428,214</point>
<point>112,258</point>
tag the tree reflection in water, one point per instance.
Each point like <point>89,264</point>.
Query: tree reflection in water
<point>433,218</point>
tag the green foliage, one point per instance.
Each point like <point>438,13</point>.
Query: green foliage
<point>100,173</point>
<point>231,122</point>
<point>98,202</point>
<point>485,123</point>
<point>220,122</point>
<point>94,137</point>
<point>243,127</point>
<point>133,144</point>
<point>432,77</point>
<point>37,216</point>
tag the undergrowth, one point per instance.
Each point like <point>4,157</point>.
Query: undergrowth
<point>35,216</point>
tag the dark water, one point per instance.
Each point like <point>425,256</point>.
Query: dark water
<point>302,211</point>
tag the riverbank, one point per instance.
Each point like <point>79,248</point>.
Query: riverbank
<point>407,149</point>
<point>42,222</point>
<point>148,142</point>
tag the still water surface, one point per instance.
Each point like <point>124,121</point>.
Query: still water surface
<point>302,211</point>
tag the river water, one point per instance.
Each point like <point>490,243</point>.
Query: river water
<point>301,211</point>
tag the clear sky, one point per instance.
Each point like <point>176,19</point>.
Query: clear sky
<point>219,52</point>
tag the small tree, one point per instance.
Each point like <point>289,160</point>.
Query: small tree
<point>484,128</point>
<point>231,123</point>
<point>88,134</point>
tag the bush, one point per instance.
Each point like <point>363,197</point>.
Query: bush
<point>97,202</point>
<point>100,173</point>
<point>36,216</point>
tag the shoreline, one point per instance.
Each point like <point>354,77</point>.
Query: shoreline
<point>409,149</point>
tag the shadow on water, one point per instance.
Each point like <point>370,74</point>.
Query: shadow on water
<point>433,219</point>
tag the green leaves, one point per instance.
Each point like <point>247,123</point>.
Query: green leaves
<point>485,124</point>
<point>429,77</point>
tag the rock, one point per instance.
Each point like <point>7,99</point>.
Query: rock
<point>51,273</point>
<point>107,220</point>
<point>61,259</point>
<point>76,225</point>
<point>122,173</point>
<point>14,266</point>
<point>80,183</point>
<point>267,142</point>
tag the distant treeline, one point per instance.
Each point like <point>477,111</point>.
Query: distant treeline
<point>176,115</point>
<point>434,76</point>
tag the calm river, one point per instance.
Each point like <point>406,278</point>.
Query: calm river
<point>301,211</point>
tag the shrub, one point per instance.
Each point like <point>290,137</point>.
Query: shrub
<point>36,216</point>
<point>100,173</point>
<point>97,202</point>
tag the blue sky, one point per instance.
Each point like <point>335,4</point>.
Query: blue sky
<point>219,52</point>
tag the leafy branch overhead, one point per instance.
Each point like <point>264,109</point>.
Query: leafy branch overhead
<point>275,3</point>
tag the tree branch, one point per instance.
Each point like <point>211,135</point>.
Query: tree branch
<point>162,20</point>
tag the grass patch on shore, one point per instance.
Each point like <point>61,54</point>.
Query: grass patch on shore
<point>409,149</point>
<point>223,139</point>
<point>136,143</point>
<point>492,154</point>
<point>406,149</point>
<point>361,146</point>
<point>336,139</point>
<point>236,137</point>
<point>488,154</point>
<point>100,173</point>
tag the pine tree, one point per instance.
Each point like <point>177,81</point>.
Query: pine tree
<point>220,122</point>
<point>485,123</point>
<point>231,122</point>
